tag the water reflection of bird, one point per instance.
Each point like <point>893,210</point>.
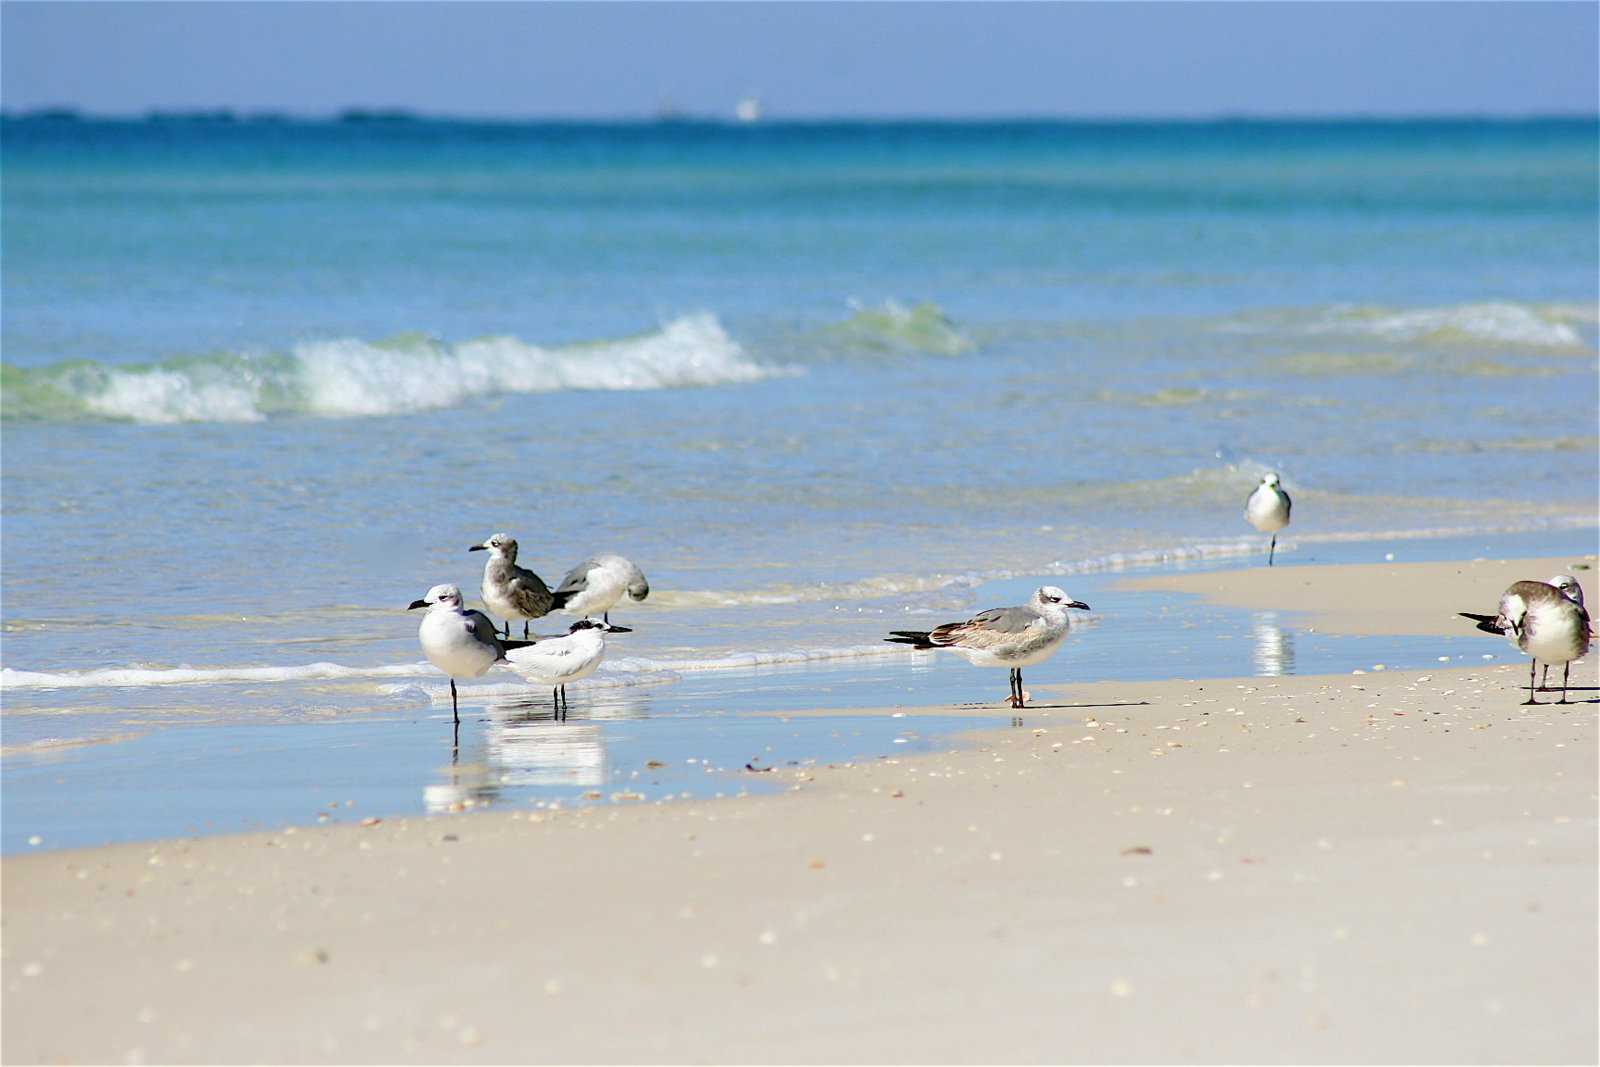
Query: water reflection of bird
<point>1267,509</point>
<point>510,591</point>
<point>555,661</point>
<point>1015,637</point>
<point>1542,622</point>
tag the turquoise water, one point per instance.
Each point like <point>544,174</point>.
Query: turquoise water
<point>264,382</point>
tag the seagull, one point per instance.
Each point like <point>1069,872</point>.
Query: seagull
<point>1267,510</point>
<point>510,591</point>
<point>555,661</point>
<point>1004,637</point>
<point>1572,591</point>
<point>460,642</point>
<point>1543,622</point>
<point>593,586</point>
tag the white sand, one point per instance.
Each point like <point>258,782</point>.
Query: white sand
<point>1388,867</point>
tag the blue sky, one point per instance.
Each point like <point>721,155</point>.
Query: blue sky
<point>1194,59</point>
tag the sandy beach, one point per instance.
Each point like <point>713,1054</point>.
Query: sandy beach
<point>1378,866</point>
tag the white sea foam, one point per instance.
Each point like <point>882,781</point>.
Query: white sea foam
<point>111,677</point>
<point>1493,322</point>
<point>349,377</point>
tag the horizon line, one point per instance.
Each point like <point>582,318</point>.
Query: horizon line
<point>399,114</point>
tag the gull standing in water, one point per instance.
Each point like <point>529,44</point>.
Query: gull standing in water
<point>1543,622</point>
<point>1267,510</point>
<point>555,661</point>
<point>1004,637</point>
<point>510,591</point>
<point>458,641</point>
<point>593,586</point>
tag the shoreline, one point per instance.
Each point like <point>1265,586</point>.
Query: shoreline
<point>1389,866</point>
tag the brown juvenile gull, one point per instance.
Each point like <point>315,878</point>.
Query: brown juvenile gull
<point>510,591</point>
<point>1543,622</point>
<point>1015,637</point>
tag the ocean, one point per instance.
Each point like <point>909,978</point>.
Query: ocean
<point>266,380</point>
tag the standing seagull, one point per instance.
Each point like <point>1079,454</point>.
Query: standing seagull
<point>1574,592</point>
<point>1268,510</point>
<point>460,642</point>
<point>593,586</point>
<point>555,661</point>
<point>1004,637</point>
<point>510,591</point>
<point>1543,622</point>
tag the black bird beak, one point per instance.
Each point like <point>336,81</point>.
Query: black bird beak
<point>417,604</point>
<point>613,628</point>
<point>478,548</point>
<point>1080,605</point>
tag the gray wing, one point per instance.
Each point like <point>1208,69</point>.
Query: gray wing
<point>482,628</point>
<point>577,580</point>
<point>1005,620</point>
<point>527,591</point>
<point>985,628</point>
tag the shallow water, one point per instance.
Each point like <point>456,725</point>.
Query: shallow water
<point>265,383</point>
<point>195,759</point>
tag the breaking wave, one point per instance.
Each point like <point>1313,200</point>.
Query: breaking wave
<point>887,329</point>
<point>347,378</point>
<point>1493,322</point>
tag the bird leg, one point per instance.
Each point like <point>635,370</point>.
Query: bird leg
<point>1272,547</point>
<point>1566,670</point>
<point>1533,669</point>
<point>1016,698</point>
<point>455,706</point>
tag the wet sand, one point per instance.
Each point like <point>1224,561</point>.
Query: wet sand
<point>1374,867</point>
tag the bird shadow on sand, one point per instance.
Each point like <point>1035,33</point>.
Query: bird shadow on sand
<point>1571,693</point>
<point>1059,707</point>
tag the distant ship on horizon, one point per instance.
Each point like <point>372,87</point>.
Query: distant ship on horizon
<point>749,108</point>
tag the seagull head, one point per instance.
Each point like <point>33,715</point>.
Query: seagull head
<point>500,544</point>
<point>598,624</point>
<point>439,594</point>
<point>1270,480</point>
<point>1051,598</point>
<point>1569,588</point>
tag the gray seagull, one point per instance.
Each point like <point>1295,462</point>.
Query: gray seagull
<point>1004,637</point>
<point>596,584</point>
<point>510,591</point>
<point>1543,622</point>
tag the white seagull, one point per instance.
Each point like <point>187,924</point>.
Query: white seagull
<point>555,661</point>
<point>1572,591</point>
<point>458,641</point>
<point>510,591</point>
<point>1267,510</point>
<point>593,586</point>
<point>1004,637</point>
<point>1541,621</point>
